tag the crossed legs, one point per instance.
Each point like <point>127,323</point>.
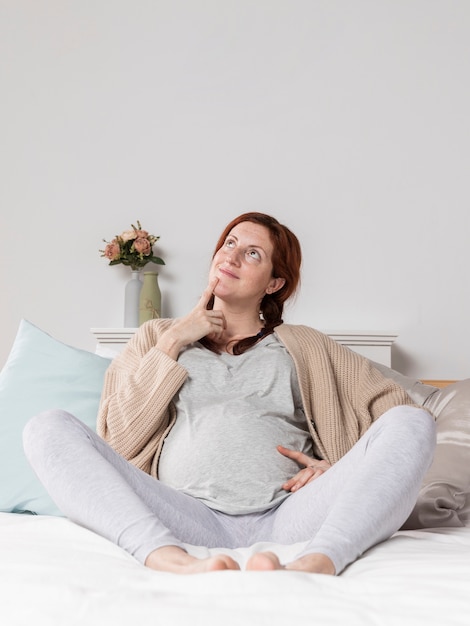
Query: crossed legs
<point>361,500</point>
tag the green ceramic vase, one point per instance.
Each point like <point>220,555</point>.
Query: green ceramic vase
<point>150,298</point>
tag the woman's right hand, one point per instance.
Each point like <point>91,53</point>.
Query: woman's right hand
<point>313,469</point>
<point>199,323</point>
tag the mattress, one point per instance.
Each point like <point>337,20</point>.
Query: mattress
<point>54,572</point>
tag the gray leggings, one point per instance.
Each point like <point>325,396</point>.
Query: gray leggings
<point>362,500</point>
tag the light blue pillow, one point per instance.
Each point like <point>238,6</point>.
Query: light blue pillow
<point>40,373</point>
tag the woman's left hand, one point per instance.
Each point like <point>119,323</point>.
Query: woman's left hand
<point>313,469</point>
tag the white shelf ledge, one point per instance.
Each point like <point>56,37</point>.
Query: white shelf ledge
<point>118,336</point>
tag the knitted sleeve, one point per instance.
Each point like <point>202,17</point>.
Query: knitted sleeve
<point>139,385</point>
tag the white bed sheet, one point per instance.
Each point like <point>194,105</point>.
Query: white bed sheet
<point>53,572</point>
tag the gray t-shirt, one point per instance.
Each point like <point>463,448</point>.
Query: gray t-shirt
<point>232,412</point>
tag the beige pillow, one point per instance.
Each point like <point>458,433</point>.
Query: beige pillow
<point>444,499</point>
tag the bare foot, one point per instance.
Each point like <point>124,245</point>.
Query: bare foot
<point>314,563</point>
<point>263,561</point>
<point>178,561</point>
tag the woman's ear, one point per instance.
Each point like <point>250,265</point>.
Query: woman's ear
<point>275,284</point>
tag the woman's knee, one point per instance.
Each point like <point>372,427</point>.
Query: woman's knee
<point>44,429</point>
<point>415,426</point>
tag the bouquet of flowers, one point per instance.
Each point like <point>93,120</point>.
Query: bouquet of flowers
<point>133,248</point>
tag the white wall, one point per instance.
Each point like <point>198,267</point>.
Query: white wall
<point>348,120</point>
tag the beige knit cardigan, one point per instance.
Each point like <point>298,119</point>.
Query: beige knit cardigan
<point>342,393</point>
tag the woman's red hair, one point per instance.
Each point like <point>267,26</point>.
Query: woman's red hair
<point>286,260</point>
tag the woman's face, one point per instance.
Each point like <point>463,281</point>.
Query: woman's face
<point>243,265</point>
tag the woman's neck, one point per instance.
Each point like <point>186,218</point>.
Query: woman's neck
<point>238,324</point>
<point>241,323</point>
<point>239,329</point>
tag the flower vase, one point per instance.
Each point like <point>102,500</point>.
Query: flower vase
<point>132,300</point>
<point>150,298</point>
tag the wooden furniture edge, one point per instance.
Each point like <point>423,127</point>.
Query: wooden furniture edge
<point>438,383</point>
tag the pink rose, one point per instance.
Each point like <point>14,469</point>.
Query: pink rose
<point>127,235</point>
<point>112,251</point>
<point>141,233</point>
<point>142,246</point>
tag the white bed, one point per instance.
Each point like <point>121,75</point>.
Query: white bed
<point>53,572</point>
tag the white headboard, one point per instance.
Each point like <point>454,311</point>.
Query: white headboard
<point>374,345</point>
